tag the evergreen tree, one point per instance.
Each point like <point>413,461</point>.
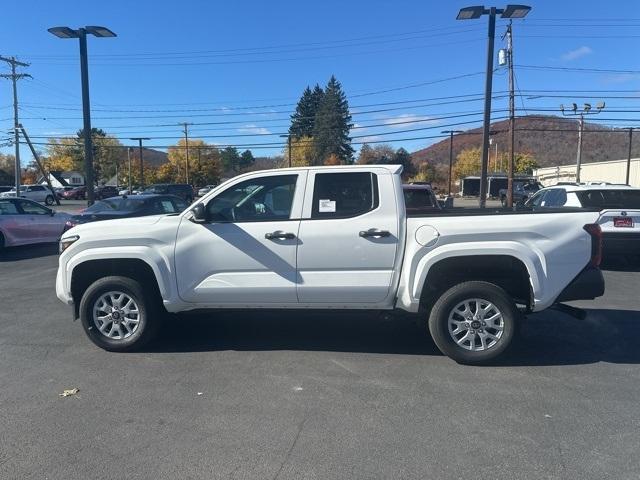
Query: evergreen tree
<point>230,160</point>
<point>402,157</point>
<point>302,120</point>
<point>246,159</point>
<point>332,125</point>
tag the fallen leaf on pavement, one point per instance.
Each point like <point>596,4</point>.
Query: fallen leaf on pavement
<point>70,392</point>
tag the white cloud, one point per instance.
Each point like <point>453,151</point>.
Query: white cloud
<point>254,129</point>
<point>577,53</point>
<point>406,119</point>
<point>370,138</point>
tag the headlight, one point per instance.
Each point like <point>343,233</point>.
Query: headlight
<point>66,242</point>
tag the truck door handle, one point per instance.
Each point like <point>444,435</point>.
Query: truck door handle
<point>279,235</point>
<point>374,232</point>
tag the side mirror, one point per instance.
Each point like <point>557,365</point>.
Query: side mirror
<point>199,213</point>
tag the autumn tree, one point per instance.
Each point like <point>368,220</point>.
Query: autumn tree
<point>425,172</point>
<point>302,152</point>
<point>524,163</point>
<point>381,153</point>
<point>205,165</point>
<point>332,125</point>
<point>468,162</point>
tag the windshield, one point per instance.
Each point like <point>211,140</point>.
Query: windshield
<point>610,198</point>
<point>156,189</point>
<point>115,205</point>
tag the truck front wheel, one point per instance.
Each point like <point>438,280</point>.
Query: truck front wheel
<point>117,316</point>
<point>473,322</point>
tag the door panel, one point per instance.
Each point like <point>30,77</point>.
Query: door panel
<point>343,260</point>
<point>243,257</point>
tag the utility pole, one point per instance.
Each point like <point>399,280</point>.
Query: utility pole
<point>185,126</point>
<point>585,111</point>
<point>36,157</point>
<point>16,123</point>
<point>129,163</point>
<point>512,117</point>
<point>451,133</point>
<point>629,156</point>
<point>140,139</point>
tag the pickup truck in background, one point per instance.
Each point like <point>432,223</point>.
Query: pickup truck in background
<point>329,238</point>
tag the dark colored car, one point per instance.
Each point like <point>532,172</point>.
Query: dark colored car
<point>5,188</point>
<point>521,192</point>
<point>105,191</point>
<point>419,198</point>
<point>181,190</point>
<point>77,193</point>
<point>127,207</point>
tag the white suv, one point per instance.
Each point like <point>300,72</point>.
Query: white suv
<point>37,193</point>
<point>619,207</point>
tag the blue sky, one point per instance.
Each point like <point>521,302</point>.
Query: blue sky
<point>211,63</point>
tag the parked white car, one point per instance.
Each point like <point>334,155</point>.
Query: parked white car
<point>24,221</point>
<point>37,193</point>
<point>329,238</point>
<point>619,207</point>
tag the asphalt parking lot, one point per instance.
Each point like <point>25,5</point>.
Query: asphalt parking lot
<point>314,395</point>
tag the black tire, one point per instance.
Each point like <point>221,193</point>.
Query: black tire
<point>439,321</point>
<point>49,200</point>
<point>148,314</point>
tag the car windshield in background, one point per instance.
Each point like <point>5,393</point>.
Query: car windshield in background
<point>418,198</point>
<point>610,198</point>
<point>115,205</point>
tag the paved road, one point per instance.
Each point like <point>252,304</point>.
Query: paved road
<point>290,396</point>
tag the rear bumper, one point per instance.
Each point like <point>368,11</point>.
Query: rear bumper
<point>589,284</point>
<point>621,243</point>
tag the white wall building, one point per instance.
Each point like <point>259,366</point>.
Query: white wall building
<point>611,171</point>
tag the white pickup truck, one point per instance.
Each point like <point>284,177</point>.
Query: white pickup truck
<point>329,238</point>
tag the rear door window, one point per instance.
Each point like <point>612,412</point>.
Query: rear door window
<point>344,195</point>
<point>610,198</point>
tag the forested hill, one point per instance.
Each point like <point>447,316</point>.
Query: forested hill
<point>552,141</point>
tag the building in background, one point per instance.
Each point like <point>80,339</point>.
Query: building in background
<point>63,179</point>
<point>611,171</point>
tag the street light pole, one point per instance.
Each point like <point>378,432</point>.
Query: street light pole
<point>450,132</point>
<point>81,34</point>
<point>470,13</point>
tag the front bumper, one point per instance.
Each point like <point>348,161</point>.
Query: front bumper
<point>620,243</point>
<point>589,284</point>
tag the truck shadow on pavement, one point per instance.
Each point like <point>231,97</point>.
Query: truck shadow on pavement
<point>26,252</point>
<point>548,338</point>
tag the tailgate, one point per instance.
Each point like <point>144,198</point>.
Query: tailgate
<point>619,221</point>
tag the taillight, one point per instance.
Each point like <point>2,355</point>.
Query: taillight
<point>595,231</point>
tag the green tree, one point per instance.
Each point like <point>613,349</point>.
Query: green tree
<point>332,125</point>
<point>381,153</point>
<point>230,160</point>
<point>303,119</point>
<point>246,160</point>
<point>402,157</point>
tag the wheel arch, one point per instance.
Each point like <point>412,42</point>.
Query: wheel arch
<point>88,271</point>
<point>514,273</point>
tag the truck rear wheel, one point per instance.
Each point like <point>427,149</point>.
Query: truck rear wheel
<point>473,322</point>
<point>116,314</point>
